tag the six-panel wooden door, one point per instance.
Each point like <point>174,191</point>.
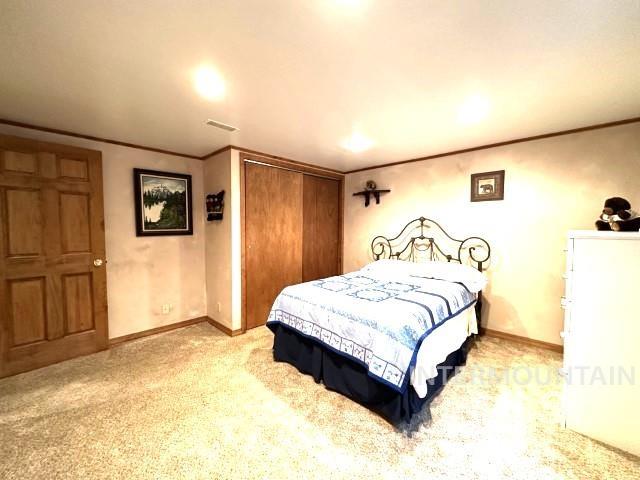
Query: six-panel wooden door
<point>53,297</point>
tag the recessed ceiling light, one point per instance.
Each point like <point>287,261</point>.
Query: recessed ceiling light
<point>473,110</point>
<point>357,142</point>
<point>209,83</point>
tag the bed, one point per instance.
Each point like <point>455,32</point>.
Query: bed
<point>391,334</point>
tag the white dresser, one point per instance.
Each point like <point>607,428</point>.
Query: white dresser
<point>602,337</point>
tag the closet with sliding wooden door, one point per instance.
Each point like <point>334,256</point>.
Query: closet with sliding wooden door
<point>291,230</point>
<point>321,227</point>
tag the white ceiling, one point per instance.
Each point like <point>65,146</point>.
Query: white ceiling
<point>301,75</point>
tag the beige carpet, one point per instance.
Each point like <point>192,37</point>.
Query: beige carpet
<point>196,404</point>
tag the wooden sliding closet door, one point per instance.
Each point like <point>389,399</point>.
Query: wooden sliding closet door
<point>321,234</point>
<point>273,237</point>
<point>53,299</point>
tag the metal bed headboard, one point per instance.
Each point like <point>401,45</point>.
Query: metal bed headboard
<point>418,240</point>
<point>423,238</point>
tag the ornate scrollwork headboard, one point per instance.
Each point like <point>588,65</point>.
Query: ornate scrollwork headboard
<point>423,238</point>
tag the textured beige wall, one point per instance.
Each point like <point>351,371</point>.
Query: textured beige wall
<point>552,186</point>
<point>144,272</point>
<point>223,244</point>
<point>217,176</point>
<point>236,242</point>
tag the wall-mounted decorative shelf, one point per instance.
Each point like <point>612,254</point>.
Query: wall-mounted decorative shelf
<point>368,193</point>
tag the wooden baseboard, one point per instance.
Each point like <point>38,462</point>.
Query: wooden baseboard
<point>153,331</point>
<point>517,338</point>
<point>223,328</point>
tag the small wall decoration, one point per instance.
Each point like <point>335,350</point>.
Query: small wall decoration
<point>215,206</point>
<point>371,189</point>
<point>163,203</point>
<point>487,186</point>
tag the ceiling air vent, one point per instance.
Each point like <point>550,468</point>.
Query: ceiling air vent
<point>221,125</point>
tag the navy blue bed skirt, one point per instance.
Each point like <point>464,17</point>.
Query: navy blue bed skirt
<point>350,378</point>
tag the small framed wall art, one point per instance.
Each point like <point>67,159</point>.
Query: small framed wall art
<point>163,203</point>
<point>487,186</point>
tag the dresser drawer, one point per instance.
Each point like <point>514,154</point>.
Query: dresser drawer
<point>568,285</point>
<point>569,256</point>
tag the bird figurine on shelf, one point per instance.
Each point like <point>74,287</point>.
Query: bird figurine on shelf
<point>371,189</point>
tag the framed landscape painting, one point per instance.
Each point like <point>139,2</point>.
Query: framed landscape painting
<point>163,203</point>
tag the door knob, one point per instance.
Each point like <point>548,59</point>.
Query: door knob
<point>98,262</point>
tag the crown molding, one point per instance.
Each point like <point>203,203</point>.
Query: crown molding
<point>285,160</point>
<point>315,166</point>
<point>95,139</point>
<point>216,152</point>
<point>500,144</point>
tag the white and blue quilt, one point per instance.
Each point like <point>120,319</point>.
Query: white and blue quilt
<point>379,322</point>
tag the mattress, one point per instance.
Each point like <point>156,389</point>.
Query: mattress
<point>384,322</point>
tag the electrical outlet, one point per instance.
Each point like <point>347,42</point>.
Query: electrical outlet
<point>166,308</point>
<point>219,307</point>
